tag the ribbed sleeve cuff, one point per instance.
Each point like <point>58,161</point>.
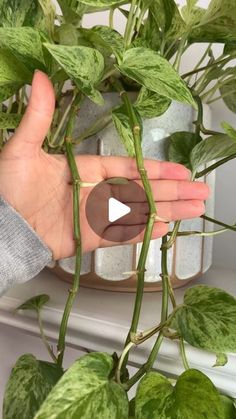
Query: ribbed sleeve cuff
<point>22,252</point>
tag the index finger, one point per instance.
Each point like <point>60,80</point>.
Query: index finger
<point>126,167</point>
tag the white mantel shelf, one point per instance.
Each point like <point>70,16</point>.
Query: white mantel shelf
<point>100,322</point>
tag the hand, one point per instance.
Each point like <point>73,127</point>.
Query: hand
<point>38,185</point>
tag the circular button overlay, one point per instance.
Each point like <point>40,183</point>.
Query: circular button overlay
<point>117,209</point>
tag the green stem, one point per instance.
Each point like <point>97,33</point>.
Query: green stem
<point>136,129</point>
<point>220,223</point>
<point>77,238</point>
<point>203,234</point>
<point>165,281</point>
<point>205,67</point>
<point>214,166</point>
<point>130,23</point>
<point>61,124</point>
<point>21,102</point>
<point>183,354</point>
<point>147,366</point>
<point>111,18</point>
<point>96,127</point>
<point>195,70</point>
<point>220,97</point>
<point>44,339</point>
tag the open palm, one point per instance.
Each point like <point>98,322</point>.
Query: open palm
<point>38,185</point>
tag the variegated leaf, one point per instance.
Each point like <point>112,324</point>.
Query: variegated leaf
<point>194,396</point>
<point>25,44</point>
<point>29,384</point>
<point>211,312</point>
<point>83,65</point>
<point>87,391</point>
<point>150,104</point>
<point>149,69</point>
<point>214,147</point>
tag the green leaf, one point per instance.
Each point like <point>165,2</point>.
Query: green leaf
<point>221,360</point>
<point>218,23</point>
<point>229,410</point>
<point>49,11</point>
<point>108,38</point>
<point>180,145</point>
<point>25,44</point>
<point>230,131</point>
<point>155,73</point>
<point>13,13</point>
<point>9,120</point>
<point>9,89</point>
<point>86,391</point>
<point>194,396</point>
<point>124,129</point>
<point>35,303</point>
<point>150,104</point>
<point>84,65</point>
<point>217,146</point>
<point>28,386</point>
<point>12,72</point>
<point>228,93</point>
<point>211,313</point>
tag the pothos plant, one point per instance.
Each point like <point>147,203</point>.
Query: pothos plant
<point>146,60</point>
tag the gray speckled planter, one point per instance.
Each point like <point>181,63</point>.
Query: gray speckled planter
<point>191,256</point>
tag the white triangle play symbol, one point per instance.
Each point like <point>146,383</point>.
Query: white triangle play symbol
<point>117,210</point>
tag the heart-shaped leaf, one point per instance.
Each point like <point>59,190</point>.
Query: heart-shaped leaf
<point>86,391</point>
<point>107,38</point>
<point>150,104</point>
<point>83,65</point>
<point>154,72</point>
<point>35,303</point>
<point>194,396</point>
<point>180,145</point>
<point>25,44</point>
<point>215,147</point>
<point>28,386</point>
<point>211,312</point>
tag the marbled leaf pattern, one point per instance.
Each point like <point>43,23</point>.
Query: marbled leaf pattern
<point>215,147</point>
<point>29,384</point>
<point>83,65</point>
<point>149,69</point>
<point>25,44</point>
<point>86,391</point>
<point>207,319</point>
<point>194,396</point>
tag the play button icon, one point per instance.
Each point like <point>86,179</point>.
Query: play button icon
<point>117,210</point>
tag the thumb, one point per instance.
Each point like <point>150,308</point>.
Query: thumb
<point>38,117</point>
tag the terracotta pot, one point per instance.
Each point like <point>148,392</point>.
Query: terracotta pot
<point>190,256</point>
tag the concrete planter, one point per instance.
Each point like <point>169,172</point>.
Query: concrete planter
<point>190,257</point>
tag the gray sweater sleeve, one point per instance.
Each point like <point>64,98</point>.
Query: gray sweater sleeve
<point>22,252</point>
